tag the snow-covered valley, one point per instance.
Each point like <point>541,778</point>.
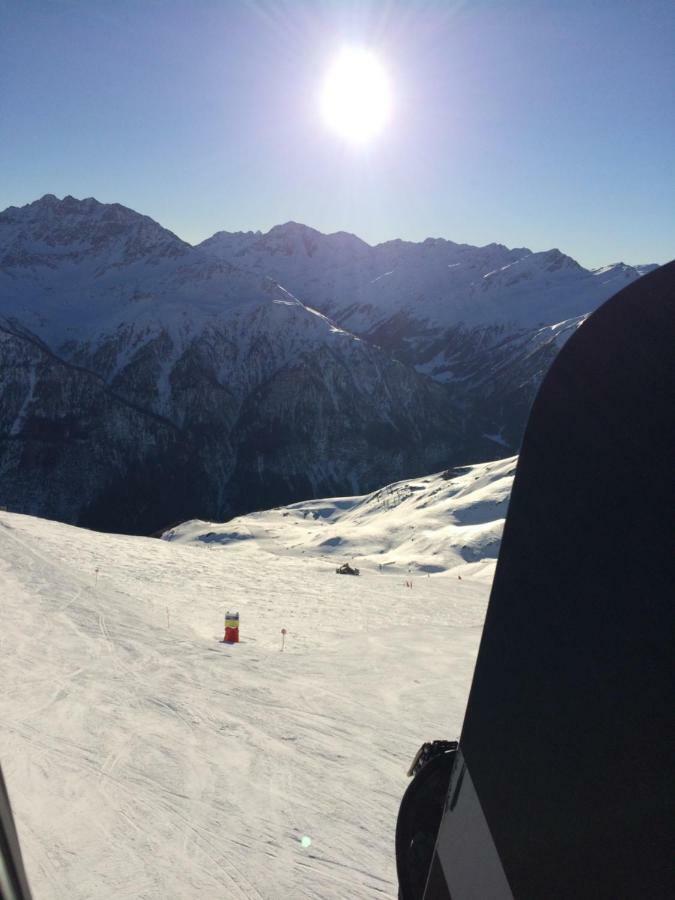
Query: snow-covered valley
<point>145,759</point>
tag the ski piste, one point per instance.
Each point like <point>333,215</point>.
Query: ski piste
<point>562,784</point>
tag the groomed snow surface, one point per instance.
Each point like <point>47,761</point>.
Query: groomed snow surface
<point>145,759</point>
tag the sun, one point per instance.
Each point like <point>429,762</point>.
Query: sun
<point>356,96</point>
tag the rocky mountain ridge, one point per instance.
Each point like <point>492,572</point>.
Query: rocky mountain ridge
<point>488,320</point>
<point>436,283</point>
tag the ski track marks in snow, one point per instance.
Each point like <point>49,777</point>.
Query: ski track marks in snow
<point>149,761</point>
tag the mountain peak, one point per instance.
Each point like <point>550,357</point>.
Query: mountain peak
<point>67,204</point>
<point>555,259</point>
<point>50,229</point>
<point>292,227</point>
<point>306,232</point>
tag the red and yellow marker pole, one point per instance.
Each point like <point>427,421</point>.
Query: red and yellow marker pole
<point>231,628</point>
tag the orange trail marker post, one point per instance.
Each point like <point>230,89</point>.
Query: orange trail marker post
<point>283,639</point>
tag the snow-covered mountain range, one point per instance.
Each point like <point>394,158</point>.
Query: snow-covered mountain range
<point>143,381</point>
<point>488,320</point>
<point>437,282</point>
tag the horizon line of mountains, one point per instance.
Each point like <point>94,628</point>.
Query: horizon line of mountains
<point>144,381</point>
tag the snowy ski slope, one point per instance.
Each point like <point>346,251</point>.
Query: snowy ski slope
<point>452,520</point>
<point>144,759</point>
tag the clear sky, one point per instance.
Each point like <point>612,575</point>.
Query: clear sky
<point>535,123</point>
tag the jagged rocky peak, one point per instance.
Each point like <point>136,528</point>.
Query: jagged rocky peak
<point>49,229</point>
<point>296,239</point>
<point>555,260</point>
<point>291,239</point>
<point>624,270</point>
<point>442,252</point>
<point>524,264</point>
<point>229,244</point>
<point>436,242</point>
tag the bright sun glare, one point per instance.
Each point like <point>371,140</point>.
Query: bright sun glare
<point>356,97</point>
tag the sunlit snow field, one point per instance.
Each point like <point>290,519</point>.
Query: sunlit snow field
<point>145,759</point>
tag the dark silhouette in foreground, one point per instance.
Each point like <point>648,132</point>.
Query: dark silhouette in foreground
<point>562,782</point>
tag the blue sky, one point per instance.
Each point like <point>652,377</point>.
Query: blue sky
<point>534,124</point>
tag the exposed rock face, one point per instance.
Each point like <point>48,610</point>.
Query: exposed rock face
<point>68,441</point>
